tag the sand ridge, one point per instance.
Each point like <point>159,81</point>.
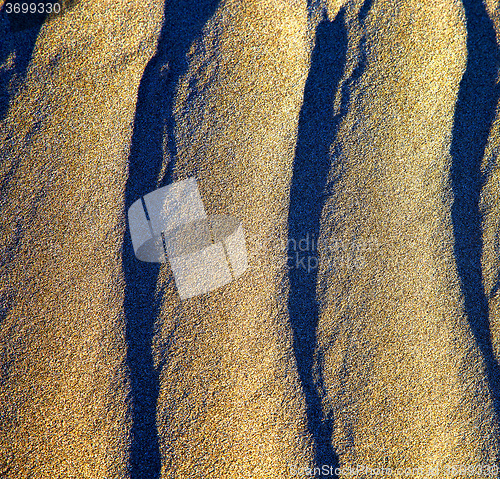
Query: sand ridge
<point>368,130</point>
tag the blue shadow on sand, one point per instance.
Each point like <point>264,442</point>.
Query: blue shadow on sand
<point>18,45</point>
<point>318,125</point>
<point>474,114</point>
<point>152,140</point>
<point>316,133</point>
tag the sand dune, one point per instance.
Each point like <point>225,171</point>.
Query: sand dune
<point>356,142</point>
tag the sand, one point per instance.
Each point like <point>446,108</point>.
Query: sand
<point>357,143</point>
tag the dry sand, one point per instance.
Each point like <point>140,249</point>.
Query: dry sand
<point>370,126</point>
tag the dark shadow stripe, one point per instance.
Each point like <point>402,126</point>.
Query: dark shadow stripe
<point>21,48</point>
<point>474,114</point>
<point>316,132</point>
<point>184,20</point>
<point>318,126</point>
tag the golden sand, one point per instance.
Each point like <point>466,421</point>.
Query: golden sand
<point>400,360</point>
